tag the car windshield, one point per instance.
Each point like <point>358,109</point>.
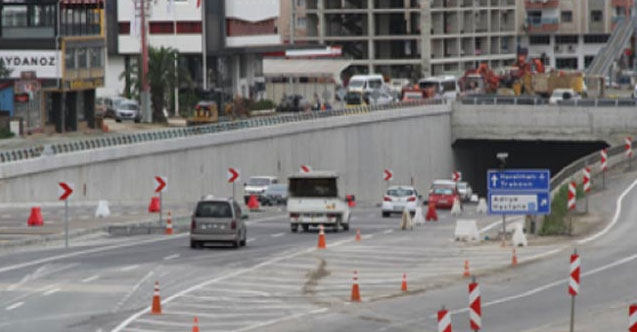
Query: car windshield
<point>375,84</point>
<point>258,181</point>
<point>449,86</point>
<point>462,185</point>
<point>356,84</point>
<point>128,106</point>
<point>428,85</point>
<point>443,191</point>
<point>400,192</point>
<point>313,187</point>
<point>213,210</point>
<point>277,188</point>
<point>353,98</point>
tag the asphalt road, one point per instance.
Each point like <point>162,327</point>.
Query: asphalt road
<point>281,282</point>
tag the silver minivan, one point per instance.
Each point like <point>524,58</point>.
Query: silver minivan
<point>218,220</point>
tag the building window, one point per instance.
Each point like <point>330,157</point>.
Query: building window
<point>188,27</point>
<point>300,3</point>
<point>540,40</point>
<point>124,28</point>
<point>301,23</point>
<point>566,39</point>
<point>14,16</point>
<point>69,59</point>
<point>596,15</point>
<point>566,63</point>
<point>588,60</point>
<point>161,27</point>
<point>595,39</point>
<point>96,57</point>
<point>82,61</point>
<point>567,16</point>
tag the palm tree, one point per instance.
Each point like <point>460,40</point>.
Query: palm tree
<point>161,79</point>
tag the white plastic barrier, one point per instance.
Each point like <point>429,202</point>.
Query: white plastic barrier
<point>519,239</point>
<point>482,206</point>
<point>456,209</point>
<point>467,230</point>
<point>419,218</point>
<point>102,210</point>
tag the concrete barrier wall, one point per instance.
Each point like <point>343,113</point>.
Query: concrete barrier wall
<point>543,122</point>
<point>414,143</point>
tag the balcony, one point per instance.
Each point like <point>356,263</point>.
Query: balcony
<point>540,4</point>
<point>543,25</point>
<point>622,3</point>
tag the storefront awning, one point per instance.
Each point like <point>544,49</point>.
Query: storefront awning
<point>304,67</point>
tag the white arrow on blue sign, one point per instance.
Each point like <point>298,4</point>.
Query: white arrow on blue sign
<point>519,191</point>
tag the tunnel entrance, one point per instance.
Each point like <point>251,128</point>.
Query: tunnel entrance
<point>474,157</point>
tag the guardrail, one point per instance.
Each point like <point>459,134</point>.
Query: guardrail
<point>163,134</point>
<point>530,100</point>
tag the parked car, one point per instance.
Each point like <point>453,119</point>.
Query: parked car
<point>384,98</point>
<point>465,191</point>
<point>562,95</point>
<point>293,103</point>
<point>100,106</point>
<point>110,104</point>
<point>275,194</point>
<point>257,186</point>
<point>354,99</point>
<point>399,198</point>
<point>218,220</point>
<point>127,110</point>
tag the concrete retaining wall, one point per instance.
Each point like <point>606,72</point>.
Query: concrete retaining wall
<point>414,143</point>
<point>543,122</point>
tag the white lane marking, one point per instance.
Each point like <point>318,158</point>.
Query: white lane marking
<point>277,234</point>
<point>89,279</point>
<point>266,219</point>
<point>618,211</point>
<point>131,292</point>
<point>271,261</point>
<point>388,231</point>
<point>51,291</point>
<point>278,320</point>
<point>14,306</point>
<point>129,268</point>
<point>368,236</point>
<point>251,239</point>
<point>171,257</point>
<point>96,250</point>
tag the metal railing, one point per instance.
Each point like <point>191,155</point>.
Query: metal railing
<point>532,100</point>
<point>165,134</point>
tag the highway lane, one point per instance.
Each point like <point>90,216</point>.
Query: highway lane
<point>532,297</point>
<point>96,289</point>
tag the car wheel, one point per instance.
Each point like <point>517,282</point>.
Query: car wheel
<point>294,228</point>
<point>306,228</point>
<point>138,120</point>
<point>118,120</point>
<point>337,226</point>
<point>236,243</point>
<point>244,241</point>
<point>346,227</point>
<point>385,214</point>
<point>194,244</point>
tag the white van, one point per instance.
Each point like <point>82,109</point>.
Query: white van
<point>365,83</point>
<point>443,86</point>
<point>313,201</point>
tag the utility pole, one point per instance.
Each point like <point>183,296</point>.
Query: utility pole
<point>145,93</point>
<point>292,22</point>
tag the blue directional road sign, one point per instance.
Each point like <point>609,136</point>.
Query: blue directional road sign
<point>519,191</point>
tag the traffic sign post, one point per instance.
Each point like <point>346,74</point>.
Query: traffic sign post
<point>629,151</point>
<point>233,176</point>
<point>586,183</point>
<point>388,175</point>
<point>65,190</point>
<point>573,284</point>
<point>518,192</point>
<point>160,186</point>
<point>604,166</point>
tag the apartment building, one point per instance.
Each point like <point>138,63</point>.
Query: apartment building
<point>568,34</point>
<point>412,38</point>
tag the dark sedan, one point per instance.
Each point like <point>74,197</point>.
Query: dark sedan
<point>275,194</point>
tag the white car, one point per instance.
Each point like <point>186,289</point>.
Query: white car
<point>465,191</point>
<point>563,94</point>
<point>257,185</point>
<point>399,198</point>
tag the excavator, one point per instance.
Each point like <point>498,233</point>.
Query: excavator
<point>480,80</point>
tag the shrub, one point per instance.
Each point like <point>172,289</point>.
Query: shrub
<point>265,104</point>
<point>554,223</point>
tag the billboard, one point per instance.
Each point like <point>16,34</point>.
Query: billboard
<point>43,62</point>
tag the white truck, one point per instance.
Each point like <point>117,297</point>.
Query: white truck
<point>313,201</point>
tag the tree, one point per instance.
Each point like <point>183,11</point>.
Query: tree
<point>161,79</point>
<point>4,71</point>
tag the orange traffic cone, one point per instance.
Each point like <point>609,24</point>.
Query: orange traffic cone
<point>195,325</point>
<point>253,203</point>
<point>358,235</point>
<point>514,258</point>
<point>403,286</point>
<point>321,239</point>
<point>35,219</point>
<point>154,204</point>
<point>431,212</point>
<point>169,224</point>
<point>466,273</point>
<point>356,295</point>
<point>156,308</point>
